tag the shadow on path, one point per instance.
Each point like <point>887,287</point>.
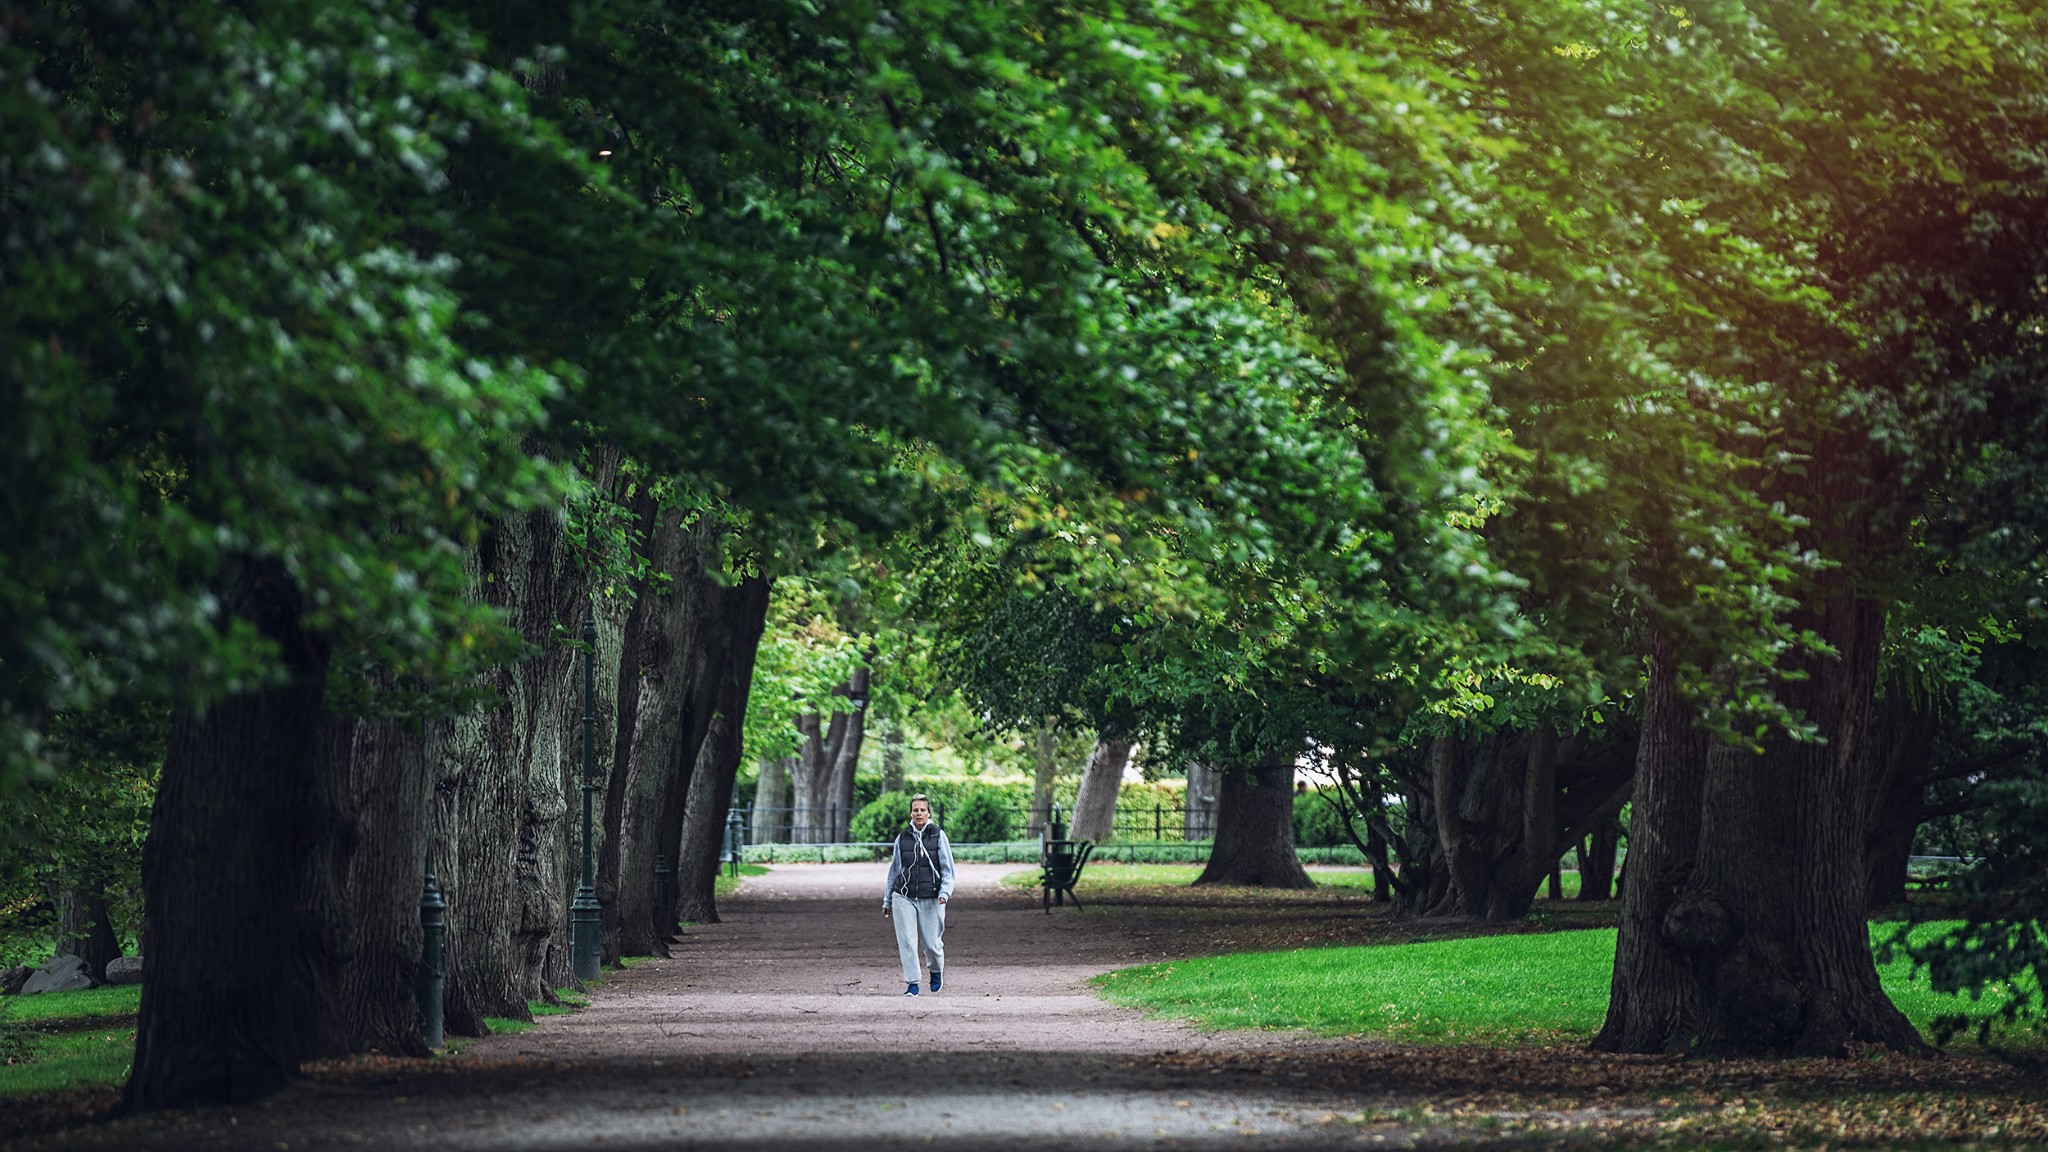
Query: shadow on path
<point>785,1028</point>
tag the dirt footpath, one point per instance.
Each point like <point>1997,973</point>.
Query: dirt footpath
<point>785,1027</point>
<point>805,963</point>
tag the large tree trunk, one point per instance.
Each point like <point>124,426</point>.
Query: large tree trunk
<point>500,802</point>
<point>846,756</point>
<point>1255,828</point>
<point>233,980</point>
<point>1425,887</point>
<point>85,923</point>
<point>821,774</point>
<point>810,777</point>
<point>1901,746</point>
<point>657,545</point>
<point>1744,933</point>
<point>362,885</point>
<point>1198,809</point>
<point>1501,807</point>
<point>1376,856</point>
<point>1044,772</point>
<point>1095,803</point>
<point>656,682</point>
<point>771,799</point>
<point>1653,1005</point>
<point>719,765</point>
<point>707,647</point>
<point>892,757</point>
<point>1597,852</point>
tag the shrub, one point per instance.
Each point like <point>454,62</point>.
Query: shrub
<point>882,818</point>
<point>982,818</point>
<point>1316,824</point>
<point>866,790</point>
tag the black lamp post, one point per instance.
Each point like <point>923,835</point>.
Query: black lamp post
<point>586,953</point>
<point>431,977</point>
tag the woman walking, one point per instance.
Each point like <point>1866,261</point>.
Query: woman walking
<point>920,883</point>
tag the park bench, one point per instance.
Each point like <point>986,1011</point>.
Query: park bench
<point>1060,863</point>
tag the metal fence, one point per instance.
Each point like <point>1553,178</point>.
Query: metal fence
<point>832,823</point>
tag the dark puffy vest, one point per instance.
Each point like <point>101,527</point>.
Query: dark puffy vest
<point>920,878</point>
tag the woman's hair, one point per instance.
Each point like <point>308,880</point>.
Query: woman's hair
<point>921,796</point>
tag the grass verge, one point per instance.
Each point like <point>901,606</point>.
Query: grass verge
<point>70,1039</point>
<point>728,883</point>
<point>1531,988</point>
<point>507,1026</point>
<point>1106,877</point>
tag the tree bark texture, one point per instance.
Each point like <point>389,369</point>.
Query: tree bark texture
<point>1095,802</point>
<point>824,763</point>
<point>1901,749</point>
<point>1597,853</point>
<point>224,864</point>
<point>1653,1002</point>
<point>811,816</point>
<point>85,924</point>
<point>362,889</point>
<point>1198,810</point>
<point>707,646</point>
<point>846,758</point>
<point>678,623</point>
<point>1743,925</point>
<point>771,798</point>
<point>1255,828</point>
<point>1044,773</point>
<point>1376,855</point>
<point>656,544</point>
<point>1500,807</point>
<point>498,775</point>
<point>718,765</point>
<point>892,757</point>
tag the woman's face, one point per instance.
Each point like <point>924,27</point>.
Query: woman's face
<point>920,813</point>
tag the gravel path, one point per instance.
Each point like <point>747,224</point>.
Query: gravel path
<point>804,962</point>
<point>785,1027</point>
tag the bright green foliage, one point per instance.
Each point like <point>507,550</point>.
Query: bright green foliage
<point>804,655</point>
<point>238,334</point>
<point>1316,822</point>
<point>982,818</point>
<point>1998,955</point>
<point>82,828</point>
<point>882,818</point>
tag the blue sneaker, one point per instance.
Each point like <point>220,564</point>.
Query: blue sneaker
<point>935,979</point>
<point>910,990</point>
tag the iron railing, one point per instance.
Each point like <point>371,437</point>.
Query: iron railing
<point>831,823</point>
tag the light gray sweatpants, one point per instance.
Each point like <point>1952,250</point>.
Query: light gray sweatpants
<point>916,918</point>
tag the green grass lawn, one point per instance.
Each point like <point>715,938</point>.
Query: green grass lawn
<point>728,883</point>
<point>571,1001</point>
<point>80,1038</point>
<point>1103,876</point>
<point>1525,988</point>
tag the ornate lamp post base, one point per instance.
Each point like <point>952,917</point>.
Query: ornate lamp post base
<point>586,948</point>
